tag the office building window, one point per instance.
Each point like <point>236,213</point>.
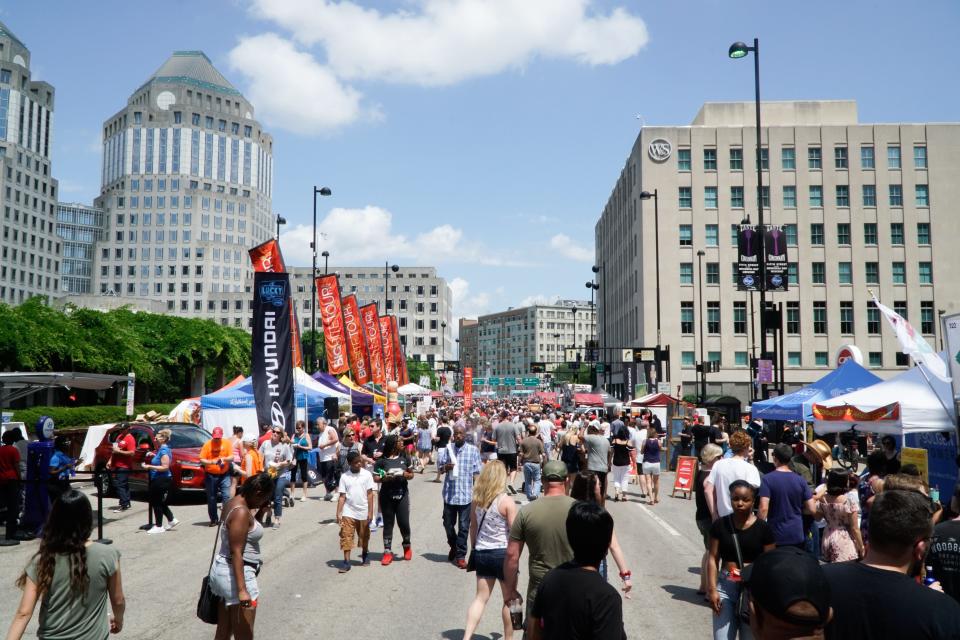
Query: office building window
<point>816,234</point>
<point>818,273</point>
<point>713,316</point>
<point>872,270</point>
<point>794,359</point>
<point>683,159</point>
<point>873,319</point>
<point>893,156</point>
<point>869,195</point>
<point>867,160</point>
<point>788,158</point>
<point>845,272</point>
<point>711,235</point>
<point>839,157</point>
<point>870,233</point>
<point>686,273</point>
<point>709,159</point>
<point>793,275</point>
<point>816,195</point>
<point>843,195</point>
<point>843,233</point>
<point>734,234</point>
<point>900,306</point>
<point>736,159</point>
<point>814,158</point>
<point>790,197</point>
<point>898,272</point>
<point>926,317</point>
<point>919,156</point>
<point>765,197</point>
<point>736,197</point>
<point>896,195</point>
<point>793,317</point>
<point>686,235</point>
<point>713,273</point>
<point>740,359</point>
<point>791,231</point>
<point>846,317</point>
<point>875,358</point>
<point>925,272</point>
<point>923,233</point>
<point>896,233</point>
<point>686,197</point>
<point>710,197</point>
<point>922,195</point>
<point>687,359</point>
<point>764,159</point>
<point>821,358</point>
<point>686,317</point>
<point>739,317</point>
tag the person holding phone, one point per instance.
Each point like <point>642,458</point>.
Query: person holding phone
<point>391,472</point>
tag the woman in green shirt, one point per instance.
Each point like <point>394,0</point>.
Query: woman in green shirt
<point>72,578</point>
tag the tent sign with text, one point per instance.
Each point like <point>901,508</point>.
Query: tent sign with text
<point>356,345</point>
<point>331,315</point>
<point>371,328</point>
<point>271,362</point>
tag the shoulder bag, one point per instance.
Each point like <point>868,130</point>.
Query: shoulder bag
<point>743,600</point>
<point>472,560</point>
<point>208,604</point>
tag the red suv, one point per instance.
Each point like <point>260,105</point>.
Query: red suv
<point>186,439</point>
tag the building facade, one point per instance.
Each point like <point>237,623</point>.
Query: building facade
<point>421,300</point>
<point>863,207</point>
<point>186,185</point>
<point>509,341</point>
<point>468,345</point>
<point>79,228</point>
<point>29,246</point>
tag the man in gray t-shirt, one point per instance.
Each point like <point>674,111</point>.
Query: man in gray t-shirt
<point>598,457</point>
<point>505,433</point>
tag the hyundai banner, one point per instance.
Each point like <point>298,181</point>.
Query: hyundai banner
<point>271,362</point>
<point>386,337</point>
<point>371,328</point>
<point>356,345</point>
<point>331,317</point>
<point>266,257</point>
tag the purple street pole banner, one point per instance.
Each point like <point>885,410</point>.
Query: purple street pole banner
<point>748,258</point>
<point>271,357</point>
<point>765,371</point>
<point>775,250</point>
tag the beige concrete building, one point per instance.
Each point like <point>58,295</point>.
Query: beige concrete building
<point>863,206</point>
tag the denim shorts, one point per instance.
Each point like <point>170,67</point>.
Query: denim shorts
<point>489,562</point>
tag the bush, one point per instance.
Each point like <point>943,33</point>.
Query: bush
<point>69,417</point>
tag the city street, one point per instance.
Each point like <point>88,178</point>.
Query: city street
<point>301,591</point>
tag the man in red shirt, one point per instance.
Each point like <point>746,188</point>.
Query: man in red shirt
<point>120,463</point>
<point>10,485</point>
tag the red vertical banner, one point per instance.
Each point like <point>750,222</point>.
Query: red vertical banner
<point>331,317</point>
<point>467,387</point>
<point>266,258</point>
<point>371,329</point>
<point>400,364</point>
<point>356,344</point>
<point>386,340</point>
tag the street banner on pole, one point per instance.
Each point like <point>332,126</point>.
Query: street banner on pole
<point>266,258</point>
<point>467,387</point>
<point>331,318</point>
<point>357,347</point>
<point>386,342</point>
<point>777,267</point>
<point>951,338</point>
<point>271,362</point>
<point>371,328</point>
<point>400,363</point>
<point>748,260</point>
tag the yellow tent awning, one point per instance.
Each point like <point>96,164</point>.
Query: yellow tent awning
<point>347,382</point>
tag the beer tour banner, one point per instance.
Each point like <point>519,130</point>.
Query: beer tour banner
<point>389,360</point>
<point>271,361</point>
<point>266,258</point>
<point>356,345</point>
<point>331,316</point>
<point>371,327</point>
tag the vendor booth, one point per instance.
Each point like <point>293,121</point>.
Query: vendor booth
<point>798,405</point>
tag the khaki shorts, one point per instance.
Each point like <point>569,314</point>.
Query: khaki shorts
<point>349,528</point>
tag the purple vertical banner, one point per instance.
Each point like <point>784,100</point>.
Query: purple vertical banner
<point>748,258</point>
<point>775,256</point>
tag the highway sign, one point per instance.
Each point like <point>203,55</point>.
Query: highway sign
<point>493,381</point>
<point>509,382</point>
<point>531,382</point>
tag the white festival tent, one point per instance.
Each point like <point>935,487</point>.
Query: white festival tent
<point>924,406</point>
<point>412,389</point>
<point>236,405</point>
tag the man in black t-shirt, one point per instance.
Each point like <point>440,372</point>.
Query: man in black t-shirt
<point>574,601</point>
<point>943,558</point>
<point>701,435</point>
<point>876,598</point>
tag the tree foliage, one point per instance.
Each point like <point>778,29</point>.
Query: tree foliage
<point>418,368</point>
<point>162,350</point>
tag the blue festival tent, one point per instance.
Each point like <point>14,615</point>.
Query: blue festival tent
<point>798,405</point>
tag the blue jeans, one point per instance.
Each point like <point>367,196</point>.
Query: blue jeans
<point>456,523</point>
<point>215,484</point>
<point>121,481</point>
<point>531,479</point>
<point>727,624</point>
<point>281,484</point>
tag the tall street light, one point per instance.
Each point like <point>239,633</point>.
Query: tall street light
<point>703,370</point>
<point>740,50</point>
<point>597,268</point>
<point>387,268</point>
<point>280,220</point>
<point>646,195</point>
<point>443,343</point>
<point>326,262</point>
<point>323,191</point>
<point>593,286</point>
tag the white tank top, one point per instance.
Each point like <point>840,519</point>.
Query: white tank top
<point>492,533</point>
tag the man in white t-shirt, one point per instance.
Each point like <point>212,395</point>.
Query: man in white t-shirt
<point>545,428</point>
<point>327,456</point>
<point>638,436</point>
<point>725,471</point>
<point>355,509</point>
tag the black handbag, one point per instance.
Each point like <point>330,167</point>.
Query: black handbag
<point>743,600</point>
<point>208,605</point>
<point>472,559</point>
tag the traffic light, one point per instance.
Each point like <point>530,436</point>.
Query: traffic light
<point>538,367</point>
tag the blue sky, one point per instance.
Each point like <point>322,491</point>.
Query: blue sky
<point>470,134</point>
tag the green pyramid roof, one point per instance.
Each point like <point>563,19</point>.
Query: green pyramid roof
<point>193,68</point>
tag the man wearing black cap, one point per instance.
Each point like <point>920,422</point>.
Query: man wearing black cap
<point>789,595</point>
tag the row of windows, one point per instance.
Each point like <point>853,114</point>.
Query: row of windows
<point>173,235</point>
<point>844,237</point>
<point>788,158</point>
<point>921,196</point>
<point>172,253</point>
<point>208,122</point>
<point>818,273</point>
<point>792,319</point>
<point>35,260</point>
<point>794,359</point>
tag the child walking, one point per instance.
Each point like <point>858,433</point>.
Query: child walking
<point>355,509</point>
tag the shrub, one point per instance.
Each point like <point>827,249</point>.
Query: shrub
<point>69,417</point>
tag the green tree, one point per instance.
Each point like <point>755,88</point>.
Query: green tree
<point>418,368</point>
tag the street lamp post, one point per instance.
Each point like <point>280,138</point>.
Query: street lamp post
<point>603,334</point>
<point>703,370</point>
<point>323,191</point>
<point>593,286</point>
<point>387,268</point>
<point>646,195</point>
<point>443,343</point>
<point>740,50</point>
<point>326,261</point>
<point>280,220</point>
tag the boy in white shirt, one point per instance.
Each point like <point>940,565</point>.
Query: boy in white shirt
<point>355,509</point>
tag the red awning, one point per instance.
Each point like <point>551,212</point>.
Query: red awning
<point>547,397</point>
<point>588,399</point>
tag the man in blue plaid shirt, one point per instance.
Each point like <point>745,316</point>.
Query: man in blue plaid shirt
<point>460,463</point>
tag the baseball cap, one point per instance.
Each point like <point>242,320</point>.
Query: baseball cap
<point>555,470</point>
<point>782,577</point>
<point>217,432</point>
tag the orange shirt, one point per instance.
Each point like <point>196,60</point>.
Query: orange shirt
<point>217,449</point>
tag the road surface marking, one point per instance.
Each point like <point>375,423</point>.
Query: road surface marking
<point>660,521</point>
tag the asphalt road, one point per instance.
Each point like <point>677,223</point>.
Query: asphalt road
<point>302,593</point>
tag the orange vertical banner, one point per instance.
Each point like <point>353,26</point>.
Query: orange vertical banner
<point>386,336</point>
<point>356,345</point>
<point>331,316</point>
<point>371,328</point>
<point>400,363</point>
<point>467,387</point>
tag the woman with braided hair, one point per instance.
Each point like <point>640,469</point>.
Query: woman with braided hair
<point>72,578</point>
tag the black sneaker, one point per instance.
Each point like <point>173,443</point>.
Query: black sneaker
<point>365,559</point>
<point>452,554</point>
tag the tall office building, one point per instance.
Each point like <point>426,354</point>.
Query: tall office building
<point>862,207</point>
<point>29,247</point>
<point>79,227</point>
<point>469,344</point>
<point>186,186</point>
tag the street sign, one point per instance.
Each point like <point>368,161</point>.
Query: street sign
<point>626,355</point>
<point>479,381</point>
<point>600,367</point>
<point>538,367</point>
<point>531,382</point>
<point>493,381</point>
<point>509,382</point>
<point>451,366</point>
<point>663,387</point>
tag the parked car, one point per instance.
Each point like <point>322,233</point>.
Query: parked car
<point>185,442</point>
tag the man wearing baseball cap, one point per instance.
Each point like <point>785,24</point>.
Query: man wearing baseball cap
<point>216,456</point>
<point>789,595</point>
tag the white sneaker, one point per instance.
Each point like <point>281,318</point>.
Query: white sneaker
<point>302,499</point>
<point>156,530</point>
<point>172,524</point>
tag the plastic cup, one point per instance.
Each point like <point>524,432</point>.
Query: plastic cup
<point>516,615</point>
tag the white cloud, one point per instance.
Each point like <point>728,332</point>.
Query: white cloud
<point>441,42</point>
<point>465,304</point>
<point>566,247</point>
<point>538,299</point>
<point>291,89</point>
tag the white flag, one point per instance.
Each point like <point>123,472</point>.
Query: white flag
<point>913,344</point>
